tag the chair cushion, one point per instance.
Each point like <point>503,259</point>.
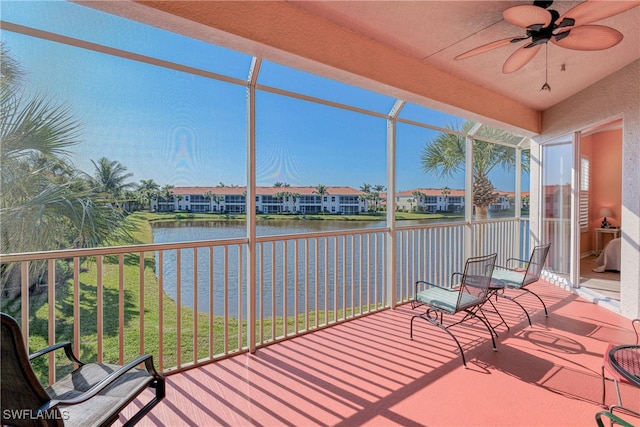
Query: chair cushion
<point>446,300</point>
<point>107,403</point>
<point>512,279</point>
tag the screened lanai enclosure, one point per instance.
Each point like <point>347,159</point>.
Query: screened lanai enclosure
<point>115,117</point>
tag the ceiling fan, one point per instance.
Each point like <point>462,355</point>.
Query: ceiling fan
<point>571,30</point>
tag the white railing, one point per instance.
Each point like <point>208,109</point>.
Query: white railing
<point>506,237</point>
<point>186,303</point>
<point>429,253</point>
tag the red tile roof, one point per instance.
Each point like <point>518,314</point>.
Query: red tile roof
<point>331,191</point>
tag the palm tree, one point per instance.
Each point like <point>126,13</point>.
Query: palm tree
<point>111,178</point>
<point>375,194</point>
<point>147,190</point>
<point>45,203</point>
<point>445,155</point>
<point>445,193</point>
<point>321,190</point>
<point>217,199</point>
<point>294,198</point>
<point>417,195</point>
<point>280,196</point>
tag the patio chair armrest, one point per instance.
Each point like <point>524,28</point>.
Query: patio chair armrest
<point>614,419</point>
<point>453,284</point>
<point>520,262</point>
<point>147,359</point>
<point>66,345</point>
<point>428,284</point>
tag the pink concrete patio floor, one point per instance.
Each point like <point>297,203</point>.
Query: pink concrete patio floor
<point>368,372</point>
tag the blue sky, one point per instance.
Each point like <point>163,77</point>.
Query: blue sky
<point>182,129</point>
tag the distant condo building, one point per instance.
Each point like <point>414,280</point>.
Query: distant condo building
<point>306,200</point>
<point>270,200</point>
<point>432,200</point>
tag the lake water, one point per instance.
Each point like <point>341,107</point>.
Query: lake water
<point>225,297</point>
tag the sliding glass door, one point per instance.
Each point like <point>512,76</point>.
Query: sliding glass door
<point>557,165</point>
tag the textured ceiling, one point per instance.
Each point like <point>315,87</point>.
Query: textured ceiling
<point>404,49</point>
<point>437,31</point>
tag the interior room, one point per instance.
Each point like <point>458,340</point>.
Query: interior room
<point>601,159</point>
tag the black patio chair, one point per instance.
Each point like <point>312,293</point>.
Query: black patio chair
<point>610,373</point>
<point>466,293</point>
<point>519,274</point>
<point>92,395</point>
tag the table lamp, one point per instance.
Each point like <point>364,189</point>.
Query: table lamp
<point>604,213</point>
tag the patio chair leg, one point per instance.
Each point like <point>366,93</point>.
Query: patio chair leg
<point>495,310</point>
<point>604,390</point>
<point>486,324</point>
<point>441,326</point>
<point>520,305</point>
<point>546,314</point>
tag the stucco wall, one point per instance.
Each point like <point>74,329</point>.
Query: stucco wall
<point>617,96</point>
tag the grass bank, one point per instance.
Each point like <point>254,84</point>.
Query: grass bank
<point>211,334</point>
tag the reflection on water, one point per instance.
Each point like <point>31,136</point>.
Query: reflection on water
<point>359,258</point>
<point>222,265</point>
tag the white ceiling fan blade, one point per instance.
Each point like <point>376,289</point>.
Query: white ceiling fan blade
<point>525,15</point>
<point>520,58</point>
<point>590,37</point>
<point>595,10</point>
<point>486,48</point>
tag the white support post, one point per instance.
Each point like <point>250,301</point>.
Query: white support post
<point>250,203</point>
<point>518,204</point>
<point>391,279</point>
<point>468,192</point>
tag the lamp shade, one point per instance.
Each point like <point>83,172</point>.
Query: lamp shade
<point>605,213</point>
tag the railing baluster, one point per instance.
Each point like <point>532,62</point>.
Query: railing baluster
<point>352,281</point>
<point>296,288</point>
<point>160,309</point>
<point>326,281</point>
<point>336,289</point>
<point>273,291</point>
<point>240,301</point>
<point>121,309</point>
<point>24,298</point>
<point>194,280</point>
<point>260,277</point>
<point>344,277</point>
<point>51,296</point>
<point>285,286</point>
<point>76,305</point>
<point>226,300</point>
<point>179,308</point>
<point>141,265</point>
<point>100,307</point>
<point>211,303</point>
<point>306,284</point>
<point>316,283</point>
